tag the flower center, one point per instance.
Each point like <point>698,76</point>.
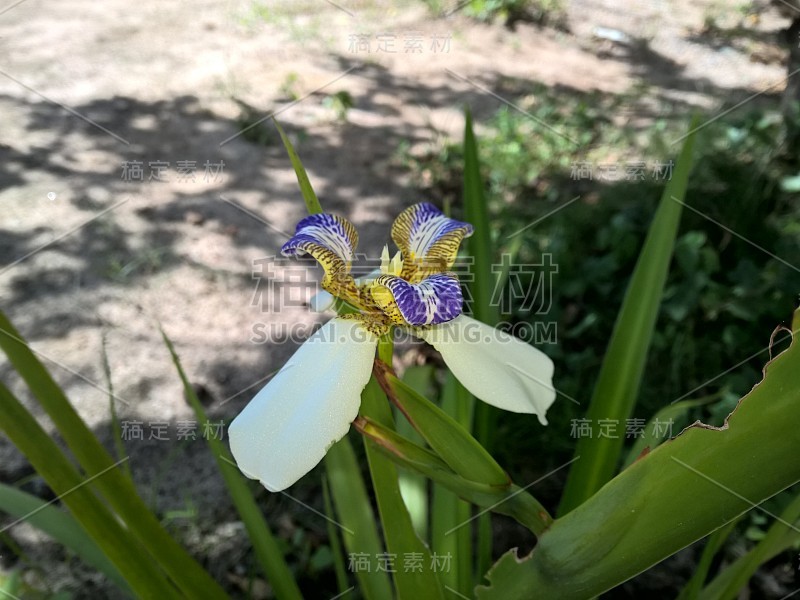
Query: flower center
<point>393,266</point>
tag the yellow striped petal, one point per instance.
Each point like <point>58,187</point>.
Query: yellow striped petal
<point>428,240</point>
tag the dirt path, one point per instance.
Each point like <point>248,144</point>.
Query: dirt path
<point>87,87</point>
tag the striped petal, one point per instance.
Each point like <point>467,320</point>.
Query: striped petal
<point>307,407</point>
<point>332,241</point>
<point>428,240</point>
<point>494,366</point>
<point>434,300</point>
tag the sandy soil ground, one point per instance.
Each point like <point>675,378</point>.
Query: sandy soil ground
<point>94,257</point>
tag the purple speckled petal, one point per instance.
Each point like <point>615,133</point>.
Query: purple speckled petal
<point>434,300</point>
<point>331,232</point>
<point>331,240</point>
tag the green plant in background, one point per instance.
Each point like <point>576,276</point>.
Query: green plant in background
<point>712,316</point>
<point>339,103</point>
<point>550,12</point>
<point>250,123</point>
<point>622,511</point>
<point>288,87</point>
<point>519,156</point>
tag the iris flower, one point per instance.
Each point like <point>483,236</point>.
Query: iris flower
<point>308,406</point>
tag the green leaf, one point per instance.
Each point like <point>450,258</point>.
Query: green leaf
<point>312,202</point>
<point>621,373</point>
<point>414,487</point>
<point>650,438</point>
<point>479,244</point>
<point>678,493</point>
<point>116,428</point>
<point>339,561</point>
<point>451,529</point>
<point>508,500</point>
<point>60,526</point>
<point>481,287</point>
<point>398,530</point>
<point>265,545</point>
<point>715,541</point>
<point>115,486</point>
<point>512,251</point>
<point>446,436</point>
<point>356,518</point>
<point>782,535</point>
<point>141,573</point>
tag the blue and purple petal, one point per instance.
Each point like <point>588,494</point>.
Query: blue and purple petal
<point>436,299</point>
<point>332,241</point>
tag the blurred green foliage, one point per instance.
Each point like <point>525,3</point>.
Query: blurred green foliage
<point>549,12</point>
<point>724,295</point>
<point>339,103</point>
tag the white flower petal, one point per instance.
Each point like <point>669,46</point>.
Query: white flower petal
<point>496,367</point>
<point>307,407</point>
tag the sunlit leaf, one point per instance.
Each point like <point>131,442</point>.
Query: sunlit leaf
<point>617,386</point>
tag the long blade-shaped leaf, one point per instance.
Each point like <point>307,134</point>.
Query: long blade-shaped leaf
<point>339,563</point>
<point>398,530</point>
<point>117,487</point>
<point>451,531</point>
<point>446,436</point>
<point>312,202</point>
<point>141,573</point>
<point>265,546</point>
<point>479,244</point>
<point>356,520</point>
<point>673,496</point>
<point>481,288</point>
<point>782,534</point>
<point>60,526</point>
<point>621,373</point>
<point>509,500</point>
<point>414,487</point>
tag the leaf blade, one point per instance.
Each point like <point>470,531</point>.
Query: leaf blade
<point>618,383</point>
<point>117,487</point>
<point>356,517</point>
<point>651,509</point>
<point>309,196</point>
<point>61,527</point>
<point>264,542</point>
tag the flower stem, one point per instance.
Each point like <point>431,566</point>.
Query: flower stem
<point>527,510</point>
<point>386,349</point>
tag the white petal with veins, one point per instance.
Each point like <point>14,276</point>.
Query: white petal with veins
<point>494,366</point>
<point>307,407</point>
